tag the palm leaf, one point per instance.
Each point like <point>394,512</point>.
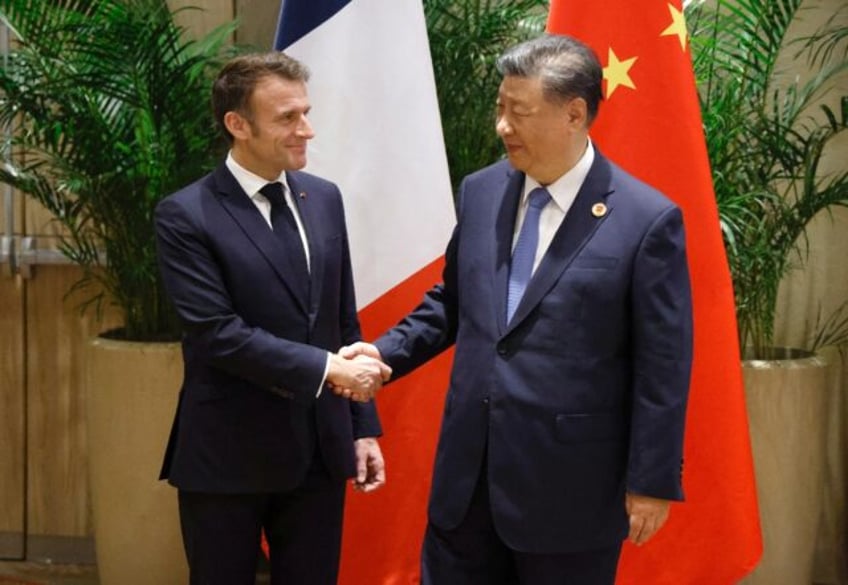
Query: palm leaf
<point>766,140</point>
<point>103,95</point>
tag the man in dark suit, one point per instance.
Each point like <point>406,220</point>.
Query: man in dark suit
<point>255,257</point>
<point>566,292</point>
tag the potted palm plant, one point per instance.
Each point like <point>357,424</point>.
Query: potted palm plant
<point>766,133</point>
<point>107,102</point>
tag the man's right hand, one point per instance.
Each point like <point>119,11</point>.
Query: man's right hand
<point>361,348</point>
<point>357,377</point>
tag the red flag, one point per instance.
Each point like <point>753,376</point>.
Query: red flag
<point>650,124</point>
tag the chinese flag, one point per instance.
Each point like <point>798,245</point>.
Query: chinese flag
<point>650,124</point>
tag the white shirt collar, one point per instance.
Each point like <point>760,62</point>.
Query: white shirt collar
<point>250,182</point>
<point>564,190</point>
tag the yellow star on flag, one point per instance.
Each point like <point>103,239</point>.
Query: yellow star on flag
<point>617,73</point>
<point>677,26</point>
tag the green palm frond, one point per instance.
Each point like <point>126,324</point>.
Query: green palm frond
<point>766,140</point>
<point>106,99</point>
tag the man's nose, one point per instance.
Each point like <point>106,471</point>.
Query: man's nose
<point>305,129</point>
<point>502,126</point>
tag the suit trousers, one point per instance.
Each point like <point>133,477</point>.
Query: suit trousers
<point>221,533</point>
<point>474,554</point>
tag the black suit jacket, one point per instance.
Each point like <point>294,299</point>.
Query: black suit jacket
<point>580,397</point>
<point>254,348</point>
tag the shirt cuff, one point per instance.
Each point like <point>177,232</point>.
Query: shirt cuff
<point>324,377</point>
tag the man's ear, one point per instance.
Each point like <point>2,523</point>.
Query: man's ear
<point>237,125</point>
<point>577,114</point>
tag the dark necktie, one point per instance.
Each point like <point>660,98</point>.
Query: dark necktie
<point>285,228</point>
<point>524,253</point>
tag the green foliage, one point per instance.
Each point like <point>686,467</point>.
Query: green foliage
<point>832,331</point>
<point>766,135</point>
<point>107,100</point>
<point>466,38</point>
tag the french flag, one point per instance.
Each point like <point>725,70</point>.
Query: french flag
<point>378,136</point>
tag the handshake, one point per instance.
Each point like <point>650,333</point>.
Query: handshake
<point>357,372</point>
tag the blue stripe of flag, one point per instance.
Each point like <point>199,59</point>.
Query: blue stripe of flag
<point>299,17</point>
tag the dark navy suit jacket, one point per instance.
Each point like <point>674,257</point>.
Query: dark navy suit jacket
<point>582,396</point>
<point>254,347</point>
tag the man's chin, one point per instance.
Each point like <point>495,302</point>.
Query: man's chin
<point>297,164</point>
<point>517,162</point>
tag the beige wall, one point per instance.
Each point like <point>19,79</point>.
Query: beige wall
<point>257,22</point>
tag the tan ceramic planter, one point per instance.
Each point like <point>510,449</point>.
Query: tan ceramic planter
<point>132,391</point>
<point>787,413</point>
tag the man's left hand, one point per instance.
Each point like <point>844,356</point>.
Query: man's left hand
<point>647,515</point>
<point>370,468</point>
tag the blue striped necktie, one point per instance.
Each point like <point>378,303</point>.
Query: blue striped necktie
<point>525,250</point>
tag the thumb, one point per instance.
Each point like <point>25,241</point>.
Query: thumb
<point>355,349</point>
<point>361,469</point>
<point>385,372</point>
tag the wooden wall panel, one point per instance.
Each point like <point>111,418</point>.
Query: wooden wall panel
<point>12,404</point>
<point>57,485</point>
<point>17,211</point>
<point>57,494</point>
<point>257,22</point>
<point>214,13</point>
<point>38,221</point>
<point>57,498</point>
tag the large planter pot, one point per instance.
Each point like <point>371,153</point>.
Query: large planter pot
<point>132,394</point>
<point>786,401</point>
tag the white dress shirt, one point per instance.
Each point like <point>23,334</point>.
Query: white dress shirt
<point>563,192</point>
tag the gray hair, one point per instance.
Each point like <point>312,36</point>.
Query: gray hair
<point>567,67</point>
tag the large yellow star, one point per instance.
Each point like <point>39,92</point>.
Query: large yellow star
<point>677,26</point>
<point>617,73</point>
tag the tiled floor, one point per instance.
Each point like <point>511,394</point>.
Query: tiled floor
<point>50,574</point>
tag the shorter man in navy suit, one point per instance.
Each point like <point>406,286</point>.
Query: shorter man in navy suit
<point>566,292</point>
<point>255,258</point>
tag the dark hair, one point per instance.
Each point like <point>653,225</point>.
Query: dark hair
<point>238,79</point>
<point>567,67</point>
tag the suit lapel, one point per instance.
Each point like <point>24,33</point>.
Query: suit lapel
<point>243,211</point>
<point>577,227</point>
<point>505,211</point>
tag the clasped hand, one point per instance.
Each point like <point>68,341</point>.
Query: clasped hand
<point>357,372</point>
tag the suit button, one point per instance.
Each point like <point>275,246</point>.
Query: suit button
<point>486,401</point>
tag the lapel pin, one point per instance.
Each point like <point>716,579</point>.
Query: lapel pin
<point>599,210</point>
<point>302,194</point>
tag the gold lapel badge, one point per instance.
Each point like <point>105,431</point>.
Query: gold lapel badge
<point>599,210</point>
<point>302,194</point>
